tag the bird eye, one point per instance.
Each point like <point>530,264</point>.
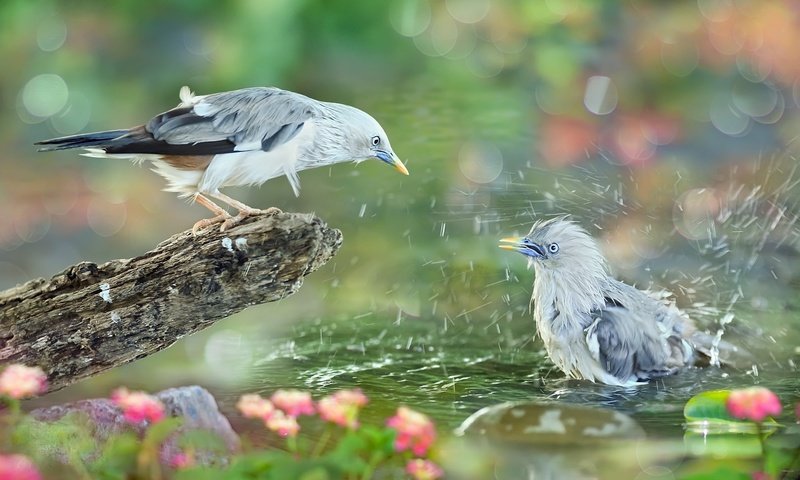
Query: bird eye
<point>376,141</point>
<point>553,248</point>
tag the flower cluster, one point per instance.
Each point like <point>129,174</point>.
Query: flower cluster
<point>415,431</point>
<point>293,402</point>
<point>423,469</point>
<point>18,381</point>
<point>342,407</point>
<point>280,414</point>
<point>754,404</point>
<point>253,406</point>
<point>138,406</point>
<point>412,431</point>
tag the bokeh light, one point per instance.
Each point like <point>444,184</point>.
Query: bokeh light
<point>410,17</point>
<point>45,95</point>
<point>694,213</point>
<point>601,95</point>
<point>480,162</point>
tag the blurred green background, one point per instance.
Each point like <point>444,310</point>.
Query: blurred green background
<point>666,128</point>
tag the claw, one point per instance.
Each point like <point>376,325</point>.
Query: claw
<point>244,213</point>
<point>209,221</point>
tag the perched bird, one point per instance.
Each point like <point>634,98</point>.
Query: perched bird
<point>595,327</point>
<point>241,137</point>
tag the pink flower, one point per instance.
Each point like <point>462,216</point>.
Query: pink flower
<point>293,402</point>
<point>415,431</point>
<point>342,407</point>
<point>18,467</point>
<point>754,403</point>
<point>423,469</point>
<point>138,406</point>
<point>19,381</point>
<point>284,425</point>
<point>253,406</point>
<point>181,460</point>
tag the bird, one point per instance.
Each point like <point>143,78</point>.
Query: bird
<point>239,137</point>
<point>597,328</point>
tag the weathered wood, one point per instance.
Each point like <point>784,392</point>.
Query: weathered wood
<point>90,317</point>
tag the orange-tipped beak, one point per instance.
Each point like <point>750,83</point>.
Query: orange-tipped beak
<point>399,166</point>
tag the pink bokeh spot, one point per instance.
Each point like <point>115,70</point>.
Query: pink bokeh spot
<point>293,402</point>
<point>282,424</point>
<point>423,469</point>
<point>18,381</point>
<point>138,406</point>
<point>415,431</point>
<point>342,407</point>
<point>254,406</point>
<point>18,467</point>
<point>754,404</point>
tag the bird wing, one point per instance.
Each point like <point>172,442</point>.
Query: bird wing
<point>625,345</point>
<point>250,118</point>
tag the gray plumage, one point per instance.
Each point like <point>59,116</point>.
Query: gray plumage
<point>593,326</point>
<point>242,137</point>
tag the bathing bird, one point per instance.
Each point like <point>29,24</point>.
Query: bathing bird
<point>241,137</point>
<point>595,327</point>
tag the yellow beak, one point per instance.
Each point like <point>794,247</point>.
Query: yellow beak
<point>398,165</point>
<point>510,243</point>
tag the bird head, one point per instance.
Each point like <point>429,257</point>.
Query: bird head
<point>559,245</point>
<point>366,138</point>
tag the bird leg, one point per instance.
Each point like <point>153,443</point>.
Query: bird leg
<point>244,210</point>
<point>221,214</point>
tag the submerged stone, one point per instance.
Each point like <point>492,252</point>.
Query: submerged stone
<point>550,424</point>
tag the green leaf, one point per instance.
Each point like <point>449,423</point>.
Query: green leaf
<point>379,438</point>
<point>206,473</point>
<point>118,458</point>
<point>203,440</point>
<point>158,432</point>
<point>707,413</point>
<point>319,469</point>
<point>722,445</point>
<point>714,469</point>
<point>708,406</point>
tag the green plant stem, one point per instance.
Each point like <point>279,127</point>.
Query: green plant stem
<point>291,443</point>
<point>760,430</point>
<point>377,457</point>
<point>322,442</point>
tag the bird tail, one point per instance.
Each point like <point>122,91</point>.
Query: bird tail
<point>719,351</point>
<point>99,140</point>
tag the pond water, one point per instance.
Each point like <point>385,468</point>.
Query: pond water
<point>452,374</point>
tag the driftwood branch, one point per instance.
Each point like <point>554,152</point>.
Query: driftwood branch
<point>91,317</point>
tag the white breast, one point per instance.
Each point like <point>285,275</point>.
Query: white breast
<point>256,167</point>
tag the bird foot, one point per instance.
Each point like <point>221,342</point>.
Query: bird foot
<point>221,218</point>
<point>244,213</point>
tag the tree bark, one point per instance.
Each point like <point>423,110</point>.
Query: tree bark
<point>91,317</point>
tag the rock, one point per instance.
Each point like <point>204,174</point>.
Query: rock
<point>194,404</point>
<point>550,424</point>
